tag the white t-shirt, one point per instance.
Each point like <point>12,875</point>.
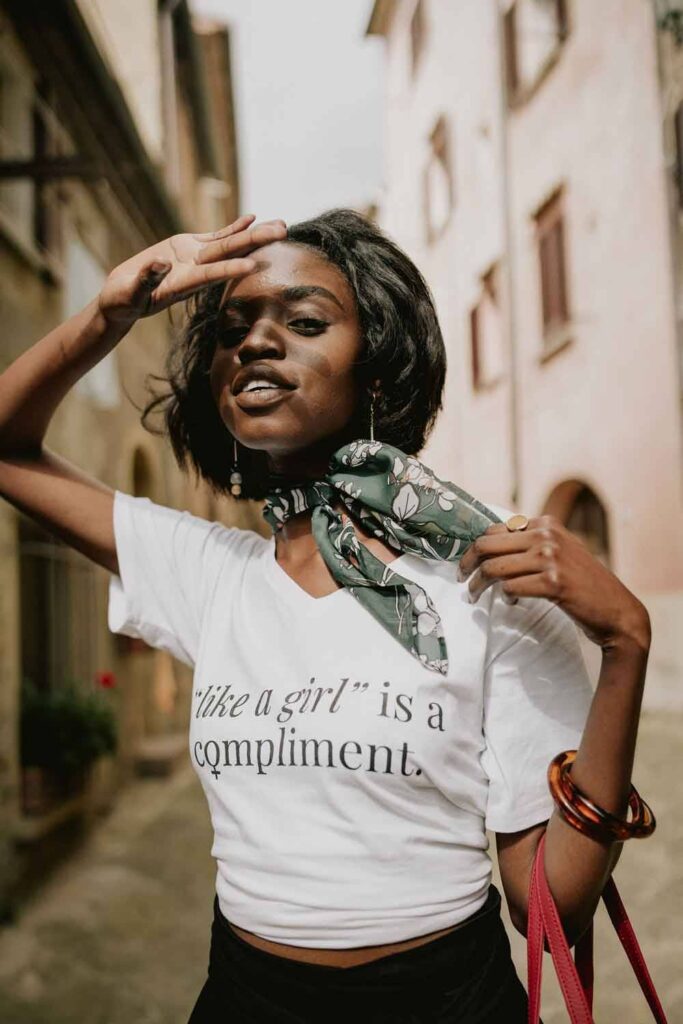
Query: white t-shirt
<point>349,787</point>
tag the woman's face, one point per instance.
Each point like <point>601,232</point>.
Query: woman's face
<point>282,374</point>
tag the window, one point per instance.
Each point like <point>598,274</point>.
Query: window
<point>438,182</point>
<point>417,34</point>
<point>486,334</point>
<point>60,610</point>
<point>511,60</point>
<point>29,132</point>
<point>533,32</point>
<point>550,234</point>
<point>16,141</point>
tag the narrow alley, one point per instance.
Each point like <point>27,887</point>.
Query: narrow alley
<point>120,934</point>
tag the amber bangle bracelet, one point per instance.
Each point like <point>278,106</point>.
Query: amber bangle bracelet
<point>580,801</point>
<point>588,817</point>
<point>582,813</point>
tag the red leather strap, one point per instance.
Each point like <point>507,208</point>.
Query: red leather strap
<point>583,958</point>
<point>627,937</point>
<point>575,976</point>
<point>572,991</point>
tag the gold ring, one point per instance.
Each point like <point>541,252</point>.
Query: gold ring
<point>517,522</point>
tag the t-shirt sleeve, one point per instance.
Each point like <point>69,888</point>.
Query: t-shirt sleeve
<point>169,562</point>
<point>537,695</point>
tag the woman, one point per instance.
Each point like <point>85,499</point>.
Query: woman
<point>351,762</point>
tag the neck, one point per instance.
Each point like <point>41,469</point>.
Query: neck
<point>306,464</point>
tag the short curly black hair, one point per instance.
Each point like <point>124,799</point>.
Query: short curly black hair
<point>403,348</point>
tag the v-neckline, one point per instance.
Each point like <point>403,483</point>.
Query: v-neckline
<point>283,582</point>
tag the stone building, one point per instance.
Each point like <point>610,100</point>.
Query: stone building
<point>532,169</point>
<point>117,129</point>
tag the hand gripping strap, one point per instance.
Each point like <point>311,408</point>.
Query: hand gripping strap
<point>575,976</point>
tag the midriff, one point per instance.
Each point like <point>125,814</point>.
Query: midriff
<point>336,957</point>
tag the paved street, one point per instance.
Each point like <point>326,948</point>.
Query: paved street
<point>120,935</point>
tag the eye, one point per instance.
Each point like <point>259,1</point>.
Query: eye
<point>231,335</point>
<point>309,325</point>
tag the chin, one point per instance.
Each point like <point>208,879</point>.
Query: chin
<point>285,440</point>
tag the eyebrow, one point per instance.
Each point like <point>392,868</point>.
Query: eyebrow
<point>291,294</point>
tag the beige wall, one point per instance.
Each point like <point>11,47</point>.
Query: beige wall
<point>97,426</point>
<point>605,409</point>
<point>127,34</point>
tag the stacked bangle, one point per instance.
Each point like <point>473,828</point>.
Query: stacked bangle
<point>588,817</point>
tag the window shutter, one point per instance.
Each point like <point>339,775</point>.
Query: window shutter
<point>552,262</point>
<point>474,336</point>
<point>511,60</point>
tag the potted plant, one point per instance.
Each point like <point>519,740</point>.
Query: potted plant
<point>62,732</point>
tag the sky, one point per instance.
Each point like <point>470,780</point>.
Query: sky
<point>307,84</point>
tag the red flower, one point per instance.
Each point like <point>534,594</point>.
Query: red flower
<point>106,679</point>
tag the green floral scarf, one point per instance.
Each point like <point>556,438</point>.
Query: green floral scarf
<point>400,500</point>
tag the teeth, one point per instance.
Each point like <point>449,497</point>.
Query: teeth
<point>255,385</point>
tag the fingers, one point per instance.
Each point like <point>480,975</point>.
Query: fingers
<point>242,242</point>
<point>154,272</point>
<point>237,225</point>
<point>148,279</point>
<point>493,542</point>
<point>194,278</point>
<point>535,584</point>
<point>507,567</point>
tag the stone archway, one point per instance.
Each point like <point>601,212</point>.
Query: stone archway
<point>582,511</point>
<point>149,680</point>
<point>579,507</point>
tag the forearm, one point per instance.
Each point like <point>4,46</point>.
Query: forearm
<point>33,385</point>
<point>577,867</point>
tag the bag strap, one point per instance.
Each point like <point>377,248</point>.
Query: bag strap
<point>547,924</point>
<point>576,976</point>
<point>627,937</point>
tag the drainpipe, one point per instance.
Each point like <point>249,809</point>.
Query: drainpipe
<point>665,75</point>
<point>508,257</point>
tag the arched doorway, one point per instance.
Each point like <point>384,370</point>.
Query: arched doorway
<point>578,506</point>
<point>150,675</point>
<point>142,474</point>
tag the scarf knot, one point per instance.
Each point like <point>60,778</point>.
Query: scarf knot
<point>397,498</point>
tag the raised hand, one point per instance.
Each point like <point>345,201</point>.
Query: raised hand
<point>175,268</point>
<point>548,560</point>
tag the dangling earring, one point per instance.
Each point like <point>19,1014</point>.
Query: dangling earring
<point>373,395</point>
<point>235,476</point>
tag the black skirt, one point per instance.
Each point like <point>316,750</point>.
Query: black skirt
<point>464,977</point>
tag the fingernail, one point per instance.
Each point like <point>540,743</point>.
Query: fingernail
<point>160,267</point>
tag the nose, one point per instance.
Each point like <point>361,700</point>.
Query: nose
<point>262,339</point>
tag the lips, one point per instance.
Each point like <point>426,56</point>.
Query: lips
<point>262,372</point>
